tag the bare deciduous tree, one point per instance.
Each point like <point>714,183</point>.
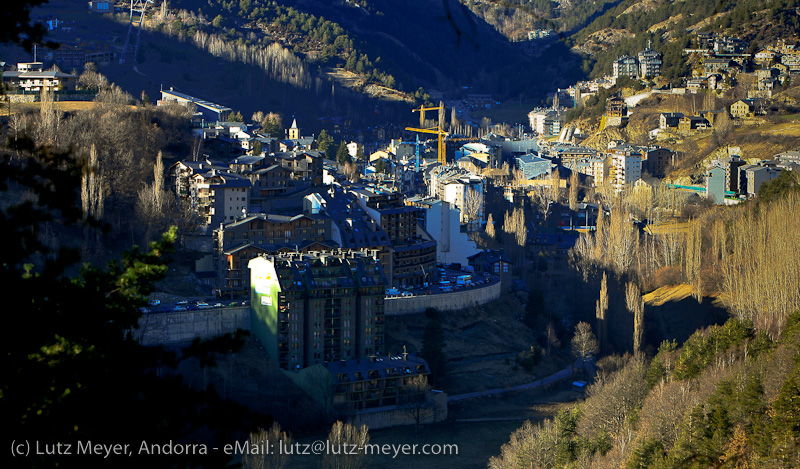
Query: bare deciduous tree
<point>601,307</point>
<point>574,187</point>
<point>555,185</point>
<point>584,343</point>
<point>417,403</point>
<point>635,304</point>
<point>154,202</point>
<point>264,449</point>
<point>490,227</point>
<point>473,202</point>
<point>49,119</point>
<point>91,79</point>
<point>342,439</point>
<point>350,171</point>
<point>321,382</point>
<point>92,195</point>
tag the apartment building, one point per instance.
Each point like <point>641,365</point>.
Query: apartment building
<point>317,307</point>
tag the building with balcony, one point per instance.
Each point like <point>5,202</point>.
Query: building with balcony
<point>626,167</point>
<point>30,77</point>
<point>375,382</point>
<point>237,242</point>
<point>318,307</point>
<point>221,197</point>
<point>650,63</point>
<point>626,66</point>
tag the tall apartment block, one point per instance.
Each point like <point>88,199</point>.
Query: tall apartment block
<point>318,307</point>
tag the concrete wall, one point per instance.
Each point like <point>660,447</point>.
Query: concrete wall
<point>394,416</point>
<point>442,301</point>
<point>184,326</point>
<point>36,97</point>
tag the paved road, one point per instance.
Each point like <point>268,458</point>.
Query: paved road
<point>565,373</point>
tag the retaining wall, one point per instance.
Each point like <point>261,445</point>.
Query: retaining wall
<point>394,416</point>
<point>442,301</point>
<point>183,326</point>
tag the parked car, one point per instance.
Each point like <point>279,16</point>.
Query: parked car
<point>154,302</point>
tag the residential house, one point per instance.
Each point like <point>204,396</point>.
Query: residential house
<point>30,77</point>
<point>246,163</point>
<point>616,111</point>
<point>713,115</point>
<point>715,65</point>
<point>791,59</point>
<point>745,108</point>
<point>669,119</point>
<point>690,123</point>
<point>222,147</point>
<point>181,176</point>
<point>302,165</point>
<point>696,83</point>
<point>495,263</point>
<point>765,56</point>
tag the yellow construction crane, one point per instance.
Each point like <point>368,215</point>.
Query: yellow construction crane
<point>435,130</point>
<point>421,112</point>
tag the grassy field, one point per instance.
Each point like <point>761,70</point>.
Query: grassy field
<point>64,106</point>
<point>670,227</point>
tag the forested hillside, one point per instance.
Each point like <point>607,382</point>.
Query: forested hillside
<point>671,27</point>
<point>604,30</point>
<point>403,45</point>
<point>727,397</point>
<point>515,18</point>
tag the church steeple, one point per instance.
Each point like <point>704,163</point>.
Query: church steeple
<point>294,131</point>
